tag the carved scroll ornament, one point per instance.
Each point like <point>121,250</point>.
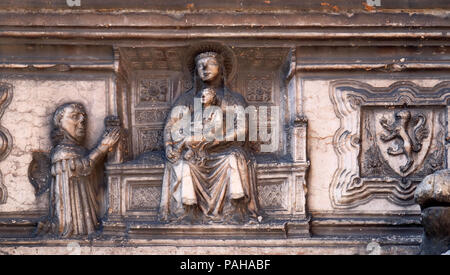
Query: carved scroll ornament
<point>5,137</point>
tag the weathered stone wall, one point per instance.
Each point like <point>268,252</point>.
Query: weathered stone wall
<point>28,120</point>
<point>322,127</point>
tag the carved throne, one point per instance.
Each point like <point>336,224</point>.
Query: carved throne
<point>148,82</point>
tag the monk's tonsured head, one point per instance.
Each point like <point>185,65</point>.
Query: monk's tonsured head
<point>69,121</point>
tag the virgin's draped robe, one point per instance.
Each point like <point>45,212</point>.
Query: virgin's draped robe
<point>225,172</point>
<point>73,192</point>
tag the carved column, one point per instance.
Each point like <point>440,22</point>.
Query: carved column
<point>297,146</point>
<point>116,156</point>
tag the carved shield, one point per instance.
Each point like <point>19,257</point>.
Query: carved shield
<point>404,137</point>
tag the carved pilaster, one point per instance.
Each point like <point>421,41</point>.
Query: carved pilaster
<point>152,96</point>
<point>298,139</point>
<point>299,122</point>
<point>297,145</point>
<point>116,155</point>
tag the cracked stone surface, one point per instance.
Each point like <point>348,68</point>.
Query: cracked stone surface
<point>322,127</point>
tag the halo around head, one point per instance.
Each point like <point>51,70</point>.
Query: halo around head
<point>229,58</point>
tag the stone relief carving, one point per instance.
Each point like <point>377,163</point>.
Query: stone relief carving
<point>153,59</point>
<point>144,195</point>
<point>271,195</point>
<point>136,184</point>
<point>185,84</point>
<point>374,162</point>
<point>385,152</point>
<point>152,96</point>
<point>433,195</point>
<point>208,179</point>
<point>151,116</point>
<point>6,93</point>
<point>261,58</point>
<point>410,132</point>
<point>3,193</point>
<point>259,89</point>
<point>153,90</point>
<point>75,206</point>
<point>151,140</point>
<point>39,172</point>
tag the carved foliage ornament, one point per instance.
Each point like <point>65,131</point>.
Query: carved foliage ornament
<point>389,140</point>
<point>153,90</point>
<point>151,116</point>
<point>259,89</point>
<point>150,140</point>
<point>6,93</point>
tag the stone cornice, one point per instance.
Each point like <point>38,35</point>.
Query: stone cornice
<point>233,5</point>
<point>215,33</point>
<point>222,19</point>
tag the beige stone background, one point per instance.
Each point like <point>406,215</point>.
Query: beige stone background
<point>322,125</point>
<point>28,118</point>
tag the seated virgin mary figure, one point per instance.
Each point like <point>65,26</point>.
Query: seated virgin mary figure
<point>209,177</point>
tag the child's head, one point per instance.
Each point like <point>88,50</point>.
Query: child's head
<point>208,96</point>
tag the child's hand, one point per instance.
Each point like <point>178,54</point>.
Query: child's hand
<point>171,154</point>
<point>188,155</point>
